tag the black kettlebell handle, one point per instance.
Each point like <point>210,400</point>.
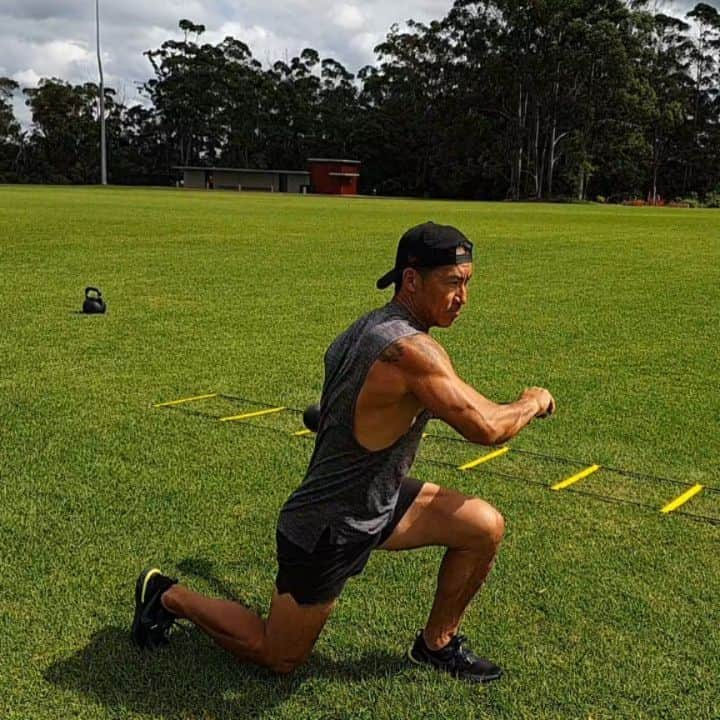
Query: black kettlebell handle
<point>88,290</point>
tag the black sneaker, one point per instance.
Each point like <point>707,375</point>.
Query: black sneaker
<point>152,622</point>
<point>455,659</point>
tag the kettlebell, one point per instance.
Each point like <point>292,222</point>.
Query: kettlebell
<point>94,303</point>
<point>311,417</point>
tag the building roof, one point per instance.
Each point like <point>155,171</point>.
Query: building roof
<point>335,160</point>
<point>243,170</point>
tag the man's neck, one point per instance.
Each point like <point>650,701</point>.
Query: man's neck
<point>407,303</point>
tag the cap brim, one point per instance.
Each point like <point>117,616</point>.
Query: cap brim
<point>387,279</point>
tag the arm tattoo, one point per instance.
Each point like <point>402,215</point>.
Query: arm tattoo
<point>431,351</point>
<point>392,354</point>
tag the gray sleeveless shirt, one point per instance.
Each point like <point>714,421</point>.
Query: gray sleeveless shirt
<point>348,489</point>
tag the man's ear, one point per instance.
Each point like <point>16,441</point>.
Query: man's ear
<point>410,276</point>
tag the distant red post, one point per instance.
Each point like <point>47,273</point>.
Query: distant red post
<point>334,177</point>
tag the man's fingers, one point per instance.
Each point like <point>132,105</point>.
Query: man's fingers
<point>544,400</point>
<point>549,410</point>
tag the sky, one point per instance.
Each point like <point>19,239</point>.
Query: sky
<point>47,38</point>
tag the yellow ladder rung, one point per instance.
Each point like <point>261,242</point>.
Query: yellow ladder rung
<point>257,413</point>
<point>300,433</point>
<point>484,458</point>
<point>575,478</point>
<point>185,400</point>
<point>682,499</point>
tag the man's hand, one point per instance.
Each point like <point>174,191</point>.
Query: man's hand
<point>544,400</point>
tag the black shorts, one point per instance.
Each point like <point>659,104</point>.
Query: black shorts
<point>320,576</point>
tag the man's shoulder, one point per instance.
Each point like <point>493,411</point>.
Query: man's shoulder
<point>382,333</point>
<point>415,352</point>
<point>376,322</point>
<point>356,328</point>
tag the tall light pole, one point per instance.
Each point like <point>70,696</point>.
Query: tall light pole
<point>103,153</point>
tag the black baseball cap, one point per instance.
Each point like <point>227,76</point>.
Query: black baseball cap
<point>426,246</point>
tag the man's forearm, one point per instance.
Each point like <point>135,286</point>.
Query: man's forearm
<point>510,419</point>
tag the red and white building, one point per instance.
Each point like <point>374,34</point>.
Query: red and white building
<point>334,177</point>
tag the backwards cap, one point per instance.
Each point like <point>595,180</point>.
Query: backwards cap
<point>426,246</point>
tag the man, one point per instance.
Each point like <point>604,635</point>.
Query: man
<point>385,377</point>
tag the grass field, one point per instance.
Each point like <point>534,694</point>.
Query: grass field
<point>595,609</point>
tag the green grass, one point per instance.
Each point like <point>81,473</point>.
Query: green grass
<point>595,610</point>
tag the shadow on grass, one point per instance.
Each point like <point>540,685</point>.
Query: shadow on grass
<point>205,569</point>
<point>191,677</point>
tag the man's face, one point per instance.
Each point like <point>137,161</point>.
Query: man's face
<point>442,293</point>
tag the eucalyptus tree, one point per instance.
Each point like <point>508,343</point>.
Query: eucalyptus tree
<point>481,115</point>
<point>552,80</point>
<point>338,110</point>
<point>63,135</point>
<point>186,92</point>
<point>242,100</point>
<point>612,101</point>
<point>291,117</point>
<point>9,128</point>
<point>704,66</point>
<point>141,151</point>
<point>410,100</point>
<point>667,57</point>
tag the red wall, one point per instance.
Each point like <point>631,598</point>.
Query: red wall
<point>323,181</point>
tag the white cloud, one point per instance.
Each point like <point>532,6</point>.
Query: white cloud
<point>252,36</point>
<point>58,39</point>
<point>27,78</point>
<point>58,52</point>
<point>348,17</point>
<point>237,30</point>
<point>366,42</point>
<point>44,59</point>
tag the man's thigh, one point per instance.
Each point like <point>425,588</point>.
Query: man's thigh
<point>291,630</point>
<point>441,516</point>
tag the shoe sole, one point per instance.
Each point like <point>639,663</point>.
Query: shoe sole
<point>481,679</point>
<point>138,632</point>
<point>412,659</point>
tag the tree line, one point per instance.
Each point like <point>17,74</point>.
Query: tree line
<point>501,99</point>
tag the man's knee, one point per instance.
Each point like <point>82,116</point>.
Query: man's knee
<point>488,525</point>
<point>285,665</point>
<point>499,527</point>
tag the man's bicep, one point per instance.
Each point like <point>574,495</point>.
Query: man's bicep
<point>446,396</point>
